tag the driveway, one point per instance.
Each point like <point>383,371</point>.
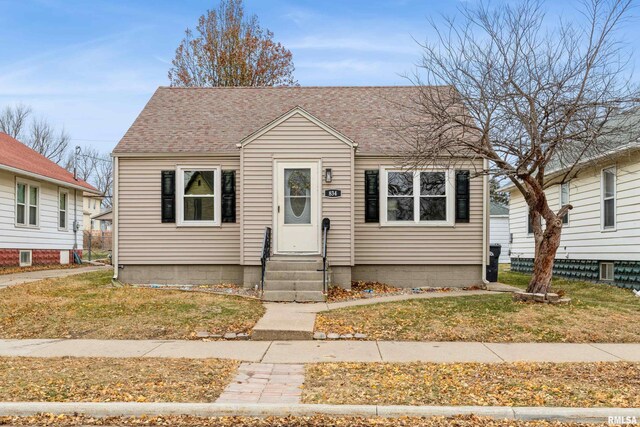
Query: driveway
<point>33,276</point>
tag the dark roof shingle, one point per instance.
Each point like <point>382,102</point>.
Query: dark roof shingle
<point>205,120</point>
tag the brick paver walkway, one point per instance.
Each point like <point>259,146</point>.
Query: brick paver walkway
<point>265,383</point>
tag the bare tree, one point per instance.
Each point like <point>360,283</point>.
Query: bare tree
<point>45,140</point>
<point>85,163</point>
<point>103,179</point>
<point>13,120</point>
<point>537,99</point>
<point>230,50</point>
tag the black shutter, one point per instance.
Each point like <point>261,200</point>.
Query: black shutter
<point>228,196</point>
<point>168,196</point>
<point>462,196</point>
<point>371,196</point>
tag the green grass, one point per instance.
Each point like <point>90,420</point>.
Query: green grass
<point>89,306</point>
<point>598,313</point>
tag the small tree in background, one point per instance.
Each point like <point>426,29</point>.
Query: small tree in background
<point>536,99</point>
<point>495,194</point>
<point>230,49</point>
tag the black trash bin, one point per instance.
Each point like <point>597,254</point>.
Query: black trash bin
<point>492,269</point>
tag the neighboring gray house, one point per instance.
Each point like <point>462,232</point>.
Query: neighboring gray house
<point>499,229</point>
<point>280,160</point>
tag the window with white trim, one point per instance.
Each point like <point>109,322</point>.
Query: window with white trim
<point>606,271</point>
<point>63,209</point>
<point>198,196</point>
<point>564,200</point>
<point>417,197</point>
<point>609,198</point>
<point>27,204</point>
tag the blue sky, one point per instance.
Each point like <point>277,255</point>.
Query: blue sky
<point>90,66</point>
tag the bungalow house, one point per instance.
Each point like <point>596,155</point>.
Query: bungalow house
<point>294,188</point>
<point>40,208</point>
<point>600,238</point>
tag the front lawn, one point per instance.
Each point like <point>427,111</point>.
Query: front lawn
<point>113,379</point>
<point>89,306</point>
<point>598,313</point>
<point>496,384</point>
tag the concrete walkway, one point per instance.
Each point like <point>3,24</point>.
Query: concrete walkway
<point>291,352</point>
<point>33,276</point>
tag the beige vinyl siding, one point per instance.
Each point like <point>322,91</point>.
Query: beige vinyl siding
<point>376,244</point>
<point>584,238</point>
<point>296,138</point>
<point>144,239</point>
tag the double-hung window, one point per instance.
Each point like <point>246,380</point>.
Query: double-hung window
<point>422,197</point>
<point>564,200</point>
<point>609,198</point>
<point>63,208</point>
<point>198,196</point>
<point>27,204</point>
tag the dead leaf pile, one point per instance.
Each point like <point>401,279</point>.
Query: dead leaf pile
<point>606,384</point>
<point>113,379</point>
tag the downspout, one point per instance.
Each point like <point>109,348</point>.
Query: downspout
<point>114,205</point>
<point>75,208</point>
<point>75,225</point>
<point>485,229</point>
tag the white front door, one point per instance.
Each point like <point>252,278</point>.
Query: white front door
<point>297,207</point>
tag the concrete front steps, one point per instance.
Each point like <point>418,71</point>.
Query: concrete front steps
<point>293,279</point>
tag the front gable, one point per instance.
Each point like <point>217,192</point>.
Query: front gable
<point>296,113</point>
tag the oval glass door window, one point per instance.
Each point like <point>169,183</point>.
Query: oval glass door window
<point>297,196</point>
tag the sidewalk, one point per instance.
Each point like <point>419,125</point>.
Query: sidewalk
<point>33,276</point>
<point>327,351</point>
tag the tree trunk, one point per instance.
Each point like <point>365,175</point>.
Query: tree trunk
<point>546,249</point>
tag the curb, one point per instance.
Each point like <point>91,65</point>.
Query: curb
<point>104,409</point>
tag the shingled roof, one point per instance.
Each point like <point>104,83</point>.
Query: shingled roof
<point>17,157</point>
<point>206,120</point>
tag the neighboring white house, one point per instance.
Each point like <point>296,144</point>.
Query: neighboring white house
<point>91,206</point>
<point>499,229</point>
<point>40,208</point>
<point>601,235</point>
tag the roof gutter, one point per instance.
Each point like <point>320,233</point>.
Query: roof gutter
<point>46,178</point>
<point>617,152</point>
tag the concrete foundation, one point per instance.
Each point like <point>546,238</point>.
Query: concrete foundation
<point>181,274</point>
<point>416,276</point>
<point>404,276</point>
<point>251,275</point>
<point>340,276</point>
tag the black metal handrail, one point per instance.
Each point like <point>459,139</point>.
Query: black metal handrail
<point>266,254</point>
<point>326,225</point>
